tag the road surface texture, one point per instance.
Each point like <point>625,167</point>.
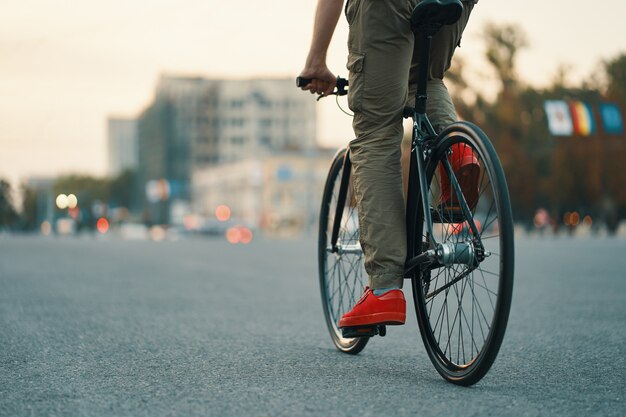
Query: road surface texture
<point>106,327</point>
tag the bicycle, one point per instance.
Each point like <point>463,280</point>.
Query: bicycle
<point>460,260</point>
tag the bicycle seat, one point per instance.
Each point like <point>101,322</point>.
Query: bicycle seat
<point>432,14</point>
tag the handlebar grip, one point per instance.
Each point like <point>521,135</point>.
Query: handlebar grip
<point>302,82</point>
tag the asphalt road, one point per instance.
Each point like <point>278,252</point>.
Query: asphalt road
<point>97,327</point>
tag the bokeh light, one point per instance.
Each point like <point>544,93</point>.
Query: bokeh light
<point>246,235</point>
<point>222,213</point>
<point>158,233</point>
<point>191,222</point>
<point>233,235</point>
<point>102,225</point>
<point>541,219</point>
<point>74,212</point>
<point>61,201</point>
<point>46,228</point>
<point>571,218</point>
<point>72,201</point>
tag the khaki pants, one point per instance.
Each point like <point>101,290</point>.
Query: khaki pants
<point>383,76</point>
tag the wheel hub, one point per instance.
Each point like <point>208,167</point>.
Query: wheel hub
<point>451,253</point>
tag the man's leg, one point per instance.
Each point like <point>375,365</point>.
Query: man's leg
<point>380,47</point>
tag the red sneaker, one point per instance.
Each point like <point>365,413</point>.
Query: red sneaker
<point>467,171</point>
<point>388,309</point>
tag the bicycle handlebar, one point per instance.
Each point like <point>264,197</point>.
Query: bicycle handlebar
<point>340,89</point>
<point>303,82</point>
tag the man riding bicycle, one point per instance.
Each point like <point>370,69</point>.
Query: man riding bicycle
<point>382,64</point>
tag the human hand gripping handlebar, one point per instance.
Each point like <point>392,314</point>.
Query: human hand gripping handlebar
<point>340,88</point>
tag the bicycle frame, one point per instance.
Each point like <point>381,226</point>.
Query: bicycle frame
<point>423,131</point>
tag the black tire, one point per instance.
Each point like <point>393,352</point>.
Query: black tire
<point>463,325</point>
<point>342,276</point>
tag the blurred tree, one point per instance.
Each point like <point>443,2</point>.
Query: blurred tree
<point>121,189</point>
<point>506,120</point>
<point>8,215</point>
<point>614,176</point>
<point>561,77</point>
<point>462,94</point>
<point>503,42</point>
<point>616,77</point>
<point>28,215</point>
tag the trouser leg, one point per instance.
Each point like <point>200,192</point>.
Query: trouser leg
<point>382,64</point>
<point>380,48</point>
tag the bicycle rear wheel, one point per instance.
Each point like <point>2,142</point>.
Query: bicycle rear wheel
<point>463,309</point>
<point>341,274</point>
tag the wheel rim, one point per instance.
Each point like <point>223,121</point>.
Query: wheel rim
<point>460,303</point>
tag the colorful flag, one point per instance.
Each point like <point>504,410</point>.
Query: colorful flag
<point>611,119</point>
<point>582,118</point>
<point>559,118</point>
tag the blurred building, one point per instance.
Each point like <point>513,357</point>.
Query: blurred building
<point>122,144</point>
<point>280,194</point>
<point>195,123</point>
<point>174,139</point>
<point>261,117</point>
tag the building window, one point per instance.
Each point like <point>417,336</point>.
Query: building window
<point>237,140</point>
<point>260,99</point>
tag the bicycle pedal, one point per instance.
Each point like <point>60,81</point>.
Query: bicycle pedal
<point>363,331</point>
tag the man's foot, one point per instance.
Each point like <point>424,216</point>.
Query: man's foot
<point>388,308</point>
<point>467,171</point>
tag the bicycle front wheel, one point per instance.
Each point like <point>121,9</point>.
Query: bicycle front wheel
<point>341,273</point>
<point>463,307</point>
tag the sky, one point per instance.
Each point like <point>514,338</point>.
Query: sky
<point>65,66</point>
